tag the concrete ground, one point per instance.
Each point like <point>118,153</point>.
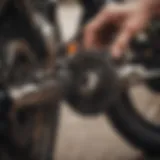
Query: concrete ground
<point>90,138</point>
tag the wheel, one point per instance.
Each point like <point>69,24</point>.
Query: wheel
<point>53,17</point>
<point>134,128</point>
<point>123,113</point>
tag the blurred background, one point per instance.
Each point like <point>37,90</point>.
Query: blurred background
<point>32,130</point>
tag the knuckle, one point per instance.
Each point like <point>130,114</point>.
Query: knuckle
<point>131,27</point>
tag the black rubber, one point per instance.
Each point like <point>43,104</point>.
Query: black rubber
<point>133,127</point>
<point>104,93</point>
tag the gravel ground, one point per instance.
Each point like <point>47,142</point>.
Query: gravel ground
<point>89,138</point>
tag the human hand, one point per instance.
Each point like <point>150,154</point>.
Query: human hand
<point>130,18</point>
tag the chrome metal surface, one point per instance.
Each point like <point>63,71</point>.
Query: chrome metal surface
<point>34,93</point>
<point>137,72</point>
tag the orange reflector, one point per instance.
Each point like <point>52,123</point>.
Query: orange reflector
<point>72,48</point>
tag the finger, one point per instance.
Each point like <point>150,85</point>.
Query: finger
<point>106,16</point>
<point>128,31</point>
<point>92,29</point>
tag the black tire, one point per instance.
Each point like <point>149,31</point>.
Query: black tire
<point>133,127</point>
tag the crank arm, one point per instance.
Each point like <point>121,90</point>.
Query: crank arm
<point>33,94</point>
<point>136,73</point>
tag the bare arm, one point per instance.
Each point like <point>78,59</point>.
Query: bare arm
<point>130,18</point>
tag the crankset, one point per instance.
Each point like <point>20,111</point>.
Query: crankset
<point>98,85</point>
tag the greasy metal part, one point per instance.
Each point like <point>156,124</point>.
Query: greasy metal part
<point>136,73</point>
<point>20,46</point>
<point>33,94</point>
<point>30,94</point>
<point>13,50</point>
<point>43,25</point>
<point>47,32</point>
